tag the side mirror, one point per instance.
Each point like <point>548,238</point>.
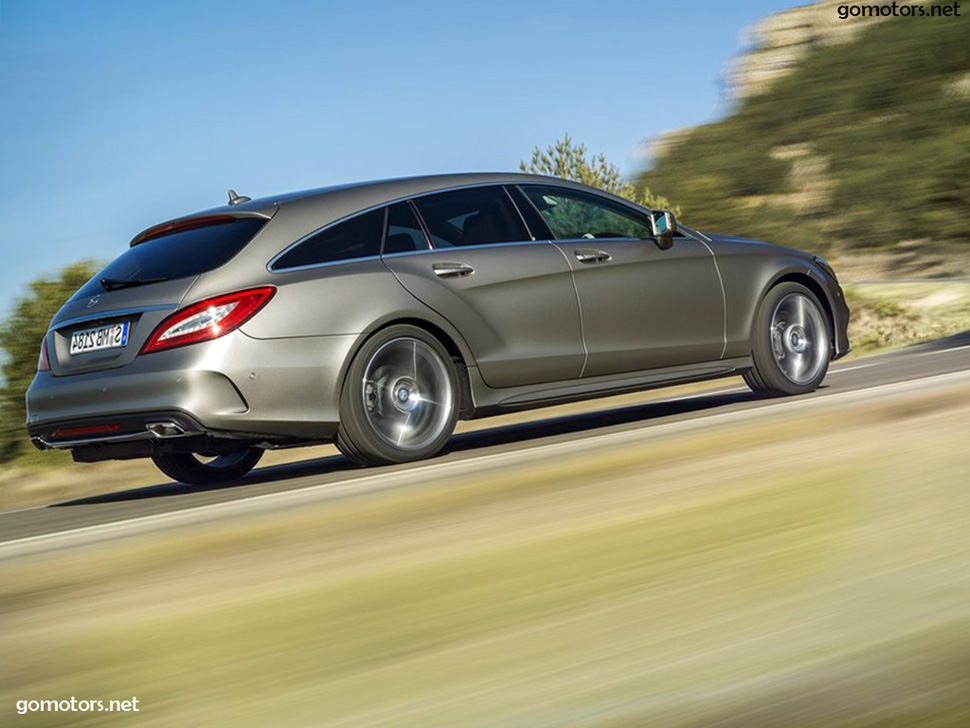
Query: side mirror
<point>664,225</point>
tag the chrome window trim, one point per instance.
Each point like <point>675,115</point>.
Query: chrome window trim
<point>593,241</point>
<point>387,211</point>
<point>505,188</point>
<point>110,314</point>
<point>387,203</point>
<point>424,228</point>
<point>413,252</point>
<point>531,204</point>
<point>327,264</point>
<point>418,252</point>
<point>469,247</point>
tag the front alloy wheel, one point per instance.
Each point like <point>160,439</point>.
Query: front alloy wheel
<point>791,343</point>
<point>799,338</point>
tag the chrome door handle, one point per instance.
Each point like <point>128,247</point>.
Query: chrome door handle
<point>592,256</point>
<point>452,270</point>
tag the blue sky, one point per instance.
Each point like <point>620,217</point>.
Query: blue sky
<point>117,115</point>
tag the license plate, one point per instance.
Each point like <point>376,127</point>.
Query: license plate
<point>111,336</point>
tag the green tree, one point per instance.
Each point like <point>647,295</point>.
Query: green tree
<point>568,161</point>
<point>20,338</point>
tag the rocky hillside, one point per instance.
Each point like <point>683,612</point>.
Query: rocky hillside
<point>778,43</point>
<point>844,140</point>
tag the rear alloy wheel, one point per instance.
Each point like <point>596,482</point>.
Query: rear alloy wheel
<point>791,343</point>
<point>195,469</point>
<point>400,399</point>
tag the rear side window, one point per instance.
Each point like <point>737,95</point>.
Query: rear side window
<point>179,254</point>
<point>477,216</point>
<point>359,237</point>
<point>404,233</point>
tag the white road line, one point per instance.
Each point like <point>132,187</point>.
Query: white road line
<point>852,369</point>
<point>942,351</point>
<point>932,352</point>
<point>114,529</point>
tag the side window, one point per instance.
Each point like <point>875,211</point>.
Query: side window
<point>573,214</point>
<point>358,237</point>
<point>476,216</point>
<point>404,233</point>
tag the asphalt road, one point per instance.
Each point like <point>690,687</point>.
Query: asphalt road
<point>111,515</point>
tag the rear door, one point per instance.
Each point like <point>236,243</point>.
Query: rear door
<point>643,307</point>
<point>511,297</point>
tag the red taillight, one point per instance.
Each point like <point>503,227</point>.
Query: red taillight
<point>208,319</point>
<point>82,431</point>
<point>43,361</point>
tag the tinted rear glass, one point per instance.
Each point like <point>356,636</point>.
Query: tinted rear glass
<point>179,254</point>
<point>359,237</point>
<point>404,232</point>
<point>476,216</point>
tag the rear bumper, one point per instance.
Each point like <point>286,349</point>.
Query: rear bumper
<point>112,429</point>
<point>235,386</point>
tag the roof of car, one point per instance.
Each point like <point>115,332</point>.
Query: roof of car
<point>334,201</point>
<point>404,186</point>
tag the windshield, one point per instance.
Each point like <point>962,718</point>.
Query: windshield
<point>177,255</point>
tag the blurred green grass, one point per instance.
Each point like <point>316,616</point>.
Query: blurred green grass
<point>792,571</point>
<point>890,315</point>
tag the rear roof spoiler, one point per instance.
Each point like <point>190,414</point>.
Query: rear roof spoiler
<point>195,221</point>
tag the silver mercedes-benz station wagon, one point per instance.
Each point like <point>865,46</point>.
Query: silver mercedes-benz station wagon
<point>376,315</point>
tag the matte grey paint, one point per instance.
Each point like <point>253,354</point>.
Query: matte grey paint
<point>647,308</point>
<point>532,324</point>
<point>518,310</point>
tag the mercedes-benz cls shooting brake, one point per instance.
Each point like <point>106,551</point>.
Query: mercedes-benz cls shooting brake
<point>376,315</point>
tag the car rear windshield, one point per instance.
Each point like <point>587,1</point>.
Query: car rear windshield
<point>178,254</point>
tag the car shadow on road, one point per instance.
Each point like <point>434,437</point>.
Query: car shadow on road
<point>956,341</point>
<point>267,475</point>
<point>519,433</point>
<point>591,421</point>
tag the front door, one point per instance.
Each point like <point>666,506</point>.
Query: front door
<point>643,308</point>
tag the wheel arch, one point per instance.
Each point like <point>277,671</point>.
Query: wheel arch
<point>441,331</point>
<point>804,278</point>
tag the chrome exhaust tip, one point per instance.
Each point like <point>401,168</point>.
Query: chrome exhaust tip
<point>165,429</point>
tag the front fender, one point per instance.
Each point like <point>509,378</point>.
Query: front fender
<point>749,272</point>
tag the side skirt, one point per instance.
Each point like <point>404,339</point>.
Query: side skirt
<point>488,401</point>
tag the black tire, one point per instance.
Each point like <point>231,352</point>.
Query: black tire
<point>402,380</point>
<point>781,339</point>
<point>187,468</point>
